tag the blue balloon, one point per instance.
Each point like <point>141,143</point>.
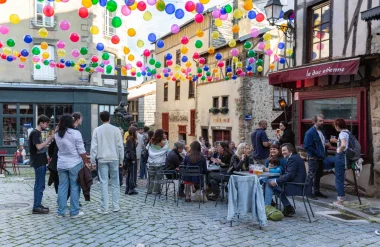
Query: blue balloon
<point>195,78</point>
<point>229,69</point>
<point>281,45</point>
<point>234,77</point>
<point>83,65</point>
<point>102,65</point>
<point>62,60</point>
<point>149,74</point>
<point>129,2</point>
<point>251,15</point>
<point>206,68</point>
<point>281,14</point>
<point>249,68</point>
<point>68,64</point>
<point>160,43</point>
<point>152,37</point>
<point>170,9</point>
<point>10,58</point>
<point>169,69</point>
<point>218,56</point>
<point>184,59</point>
<point>24,53</point>
<point>143,73</point>
<point>282,60</point>
<point>166,74</point>
<point>168,56</point>
<point>179,13</point>
<point>199,8</point>
<point>103,3</point>
<point>28,39</point>
<point>223,11</point>
<point>99,46</point>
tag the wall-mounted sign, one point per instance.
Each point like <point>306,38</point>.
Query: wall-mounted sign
<point>220,120</point>
<point>248,117</point>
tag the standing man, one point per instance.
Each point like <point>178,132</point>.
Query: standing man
<point>143,160</point>
<point>139,150</point>
<point>260,143</point>
<point>38,160</point>
<point>107,147</point>
<point>315,145</point>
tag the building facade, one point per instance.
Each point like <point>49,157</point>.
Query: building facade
<point>28,92</point>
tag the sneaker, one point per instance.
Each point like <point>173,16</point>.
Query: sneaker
<point>288,211</point>
<point>133,192</point>
<point>116,210</point>
<point>59,216</point>
<point>319,194</point>
<point>339,203</point>
<point>80,214</point>
<point>42,206</point>
<point>101,211</point>
<point>40,210</point>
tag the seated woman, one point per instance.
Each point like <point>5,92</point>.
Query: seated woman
<point>224,162</point>
<point>21,154</point>
<point>240,160</point>
<point>173,161</point>
<point>275,151</point>
<point>194,158</point>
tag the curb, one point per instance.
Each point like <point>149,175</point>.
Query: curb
<point>343,210</point>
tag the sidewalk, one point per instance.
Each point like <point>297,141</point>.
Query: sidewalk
<point>351,204</point>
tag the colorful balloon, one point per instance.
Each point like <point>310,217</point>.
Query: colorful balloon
<point>116,22</point>
<point>4,29</point>
<point>170,9</point>
<point>14,19</point>
<point>199,33</point>
<point>100,46</point>
<point>189,6</point>
<point>147,16</point>
<point>83,12</point>
<point>198,44</point>
<point>260,17</point>
<point>255,32</point>
<point>64,25</point>
<point>125,10</point>
<point>126,50</point>
<point>115,39</point>
<point>175,28</point>
<point>160,43</point>
<point>179,13</point>
<point>111,6</point>
<point>28,39</point>
<point>11,43</point>
<point>75,53</point>
<point>44,45</point>
<point>152,37</point>
<point>74,37</point>
<point>140,43</point>
<point>48,10</point>
<point>198,18</point>
<point>43,32</point>
<point>160,5</point>
<point>131,32</point>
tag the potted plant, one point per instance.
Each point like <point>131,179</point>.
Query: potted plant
<point>224,110</point>
<point>214,110</point>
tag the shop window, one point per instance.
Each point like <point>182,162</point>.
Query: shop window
<point>10,109</point>
<point>191,89</point>
<point>45,72</point>
<point>109,30</point>
<point>166,89</point>
<point>109,108</point>
<point>319,30</point>
<point>215,102</point>
<point>26,109</point>
<point>177,90</point>
<point>112,64</point>
<point>278,93</point>
<point>192,122</point>
<point>54,112</point>
<point>40,20</point>
<point>9,131</point>
<point>225,101</point>
<point>178,57</point>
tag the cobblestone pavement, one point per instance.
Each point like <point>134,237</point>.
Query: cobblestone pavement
<point>163,225</point>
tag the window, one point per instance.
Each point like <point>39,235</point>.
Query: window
<point>177,57</point>
<point>109,108</point>
<point>10,109</point>
<point>215,102</point>
<point>192,122</point>
<point>351,106</point>
<point>109,30</point>
<point>225,101</point>
<point>165,123</point>
<point>54,112</point>
<point>177,90</point>
<point>191,89</point>
<point>10,131</point>
<point>166,89</point>
<point>277,93</point>
<point>111,63</point>
<point>45,72</point>
<point>133,106</point>
<point>230,64</point>
<point>40,20</point>
<point>320,31</point>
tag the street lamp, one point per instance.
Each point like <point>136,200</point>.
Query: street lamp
<point>283,105</point>
<point>273,10</point>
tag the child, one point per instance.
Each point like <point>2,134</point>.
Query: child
<point>21,155</point>
<point>274,166</point>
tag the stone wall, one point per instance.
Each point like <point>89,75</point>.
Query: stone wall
<point>147,108</point>
<point>375,120</point>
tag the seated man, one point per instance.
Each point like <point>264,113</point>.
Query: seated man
<point>295,171</point>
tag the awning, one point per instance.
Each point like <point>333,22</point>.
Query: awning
<point>341,67</point>
<point>276,123</point>
<point>371,14</point>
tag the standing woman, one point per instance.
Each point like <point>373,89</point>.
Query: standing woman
<point>131,161</point>
<point>77,117</point>
<point>71,157</point>
<point>340,158</point>
<point>287,134</point>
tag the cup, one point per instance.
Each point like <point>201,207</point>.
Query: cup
<point>278,131</point>
<point>332,138</point>
<point>251,168</point>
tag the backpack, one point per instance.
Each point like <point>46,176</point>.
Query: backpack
<point>354,148</point>
<point>273,213</point>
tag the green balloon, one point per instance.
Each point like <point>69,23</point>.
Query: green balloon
<point>11,42</point>
<point>154,71</point>
<point>247,45</point>
<point>83,51</point>
<point>228,8</point>
<point>292,55</point>
<point>148,69</point>
<point>111,6</point>
<point>108,69</point>
<point>152,61</point>
<point>208,73</point>
<point>94,65</point>
<point>87,69</point>
<point>38,66</point>
<point>138,74</point>
<point>203,78</point>
<point>226,78</point>
<point>116,22</point>
<point>199,70</point>
<point>105,56</point>
<point>46,62</point>
<point>36,51</point>
<point>157,65</point>
<point>259,62</point>
<point>251,53</point>
<point>94,2</point>
<point>198,44</point>
<point>160,6</point>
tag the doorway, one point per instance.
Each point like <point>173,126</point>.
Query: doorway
<point>221,135</point>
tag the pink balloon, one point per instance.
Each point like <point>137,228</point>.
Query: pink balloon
<point>139,64</point>
<point>165,70</point>
<point>188,70</point>
<point>64,1</point>
<point>269,52</point>
<point>320,46</point>
<point>216,13</point>
<point>261,45</point>
<point>242,74</point>
<point>125,10</point>
<point>234,52</point>
<point>276,58</point>
<point>171,73</point>
<point>4,29</point>
<point>64,25</point>
<point>36,59</point>
<point>75,53</point>
<point>52,64</point>
<point>223,17</point>
<point>21,65</point>
<point>99,69</point>
<point>151,2</point>
<point>251,60</point>
<point>106,62</point>
<point>220,64</point>
<point>198,18</point>
<point>175,28</point>
<point>128,66</point>
<point>61,44</point>
<point>255,32</point>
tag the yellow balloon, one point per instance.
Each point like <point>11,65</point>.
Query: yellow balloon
<point>131,58</point>
<point>14,19</point>
<point>199,33</point>
<point>16,53</point>
<point>126,50</point>
<point>259,68</point>
<point>239,64</point>
<point>22,59</point>
<point>188,64</point>
<point>232,43</point>
<point>267,46</point>
<point>211,50</point>
<point>215,34</point>
<point>123,71</point>
<point>7,51</point>
<point>238,13</point>
<point>235,59</point>
<point>44,45</point>
<point>131,32</point>
<point>147,16</point>
<point>133,69</point>
<point>267,36</point>
<point>82,60</point>
<point>45,55</point>
<point>289,51</point>
<point>184,50</point>
<point>61,52</point>
<point>176,74</point>
<point>204,1</point>
<point>87,3</point>
<point>43,32</point>
<point>77,67</point>
<point>134,6</point>
<point>140,43</point>
<point>218,22</point>
<point>94,30</point>
<point>177,67</point>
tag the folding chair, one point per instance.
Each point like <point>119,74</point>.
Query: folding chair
<point>15,164</point>
<point>191,171</point>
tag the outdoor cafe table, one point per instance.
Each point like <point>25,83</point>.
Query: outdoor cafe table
<point>213,168</point>
<point>264,174</point>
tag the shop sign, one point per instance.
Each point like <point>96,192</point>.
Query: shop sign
<point>220,120</point>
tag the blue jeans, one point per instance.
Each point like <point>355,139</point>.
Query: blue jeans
<point>340,168</point>
<point>143,169</point>
<point>113,169</point>
<point>69,177</point>
<point>39,185</point>
<point>269,191</point>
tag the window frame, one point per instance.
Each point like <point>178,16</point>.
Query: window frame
<point>286,97</point>
<point>113,64</point>
<point>215,99</point>
<point>177,94</point>
<point>45,73</point>
<point>44,21</point>
<point>177,57</point>
<point>191,89</point>
<point>109,30</point>
<point>223,102</point>
<point>166,91</point>
<point>192,122</point>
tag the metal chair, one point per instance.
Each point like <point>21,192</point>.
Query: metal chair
<point>223,185</point>
<point>191,171</point>
<point>164,181</point>
<point>15,164</point>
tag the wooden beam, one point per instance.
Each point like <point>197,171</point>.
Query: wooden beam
<point>354,23</point>
<point>369,31</point>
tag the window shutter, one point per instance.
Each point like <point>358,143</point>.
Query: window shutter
<point>165,122</point>
<point>45,73</point>
<point>192,122</point>
<point>112,63</point>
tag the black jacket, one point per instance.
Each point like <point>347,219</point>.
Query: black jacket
<point>85,181</point>
<point>287,137</point>
<point>53,154</point>
<point>173,160</point>
<point>130,150</point>
<point>240,165</point>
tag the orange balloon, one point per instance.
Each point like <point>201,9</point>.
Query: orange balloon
<point>22,59</point>
<point>235,28</point>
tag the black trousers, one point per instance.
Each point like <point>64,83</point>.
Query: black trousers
<point>316,172</point>
<point>130,182</point>
<point>214,180</point>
